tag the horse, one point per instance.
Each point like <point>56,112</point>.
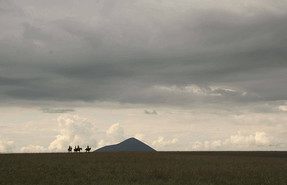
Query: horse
<point>88,149</point>
<point>77,149</point>
<point>70,149</point>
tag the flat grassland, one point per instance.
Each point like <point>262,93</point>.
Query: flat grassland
<point>145,168</point>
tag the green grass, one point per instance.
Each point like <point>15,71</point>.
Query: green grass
<point>145,168</point>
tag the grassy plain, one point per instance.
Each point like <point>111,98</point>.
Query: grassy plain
<point>145,168</point>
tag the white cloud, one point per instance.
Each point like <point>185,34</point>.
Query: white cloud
<point>261,138</point>
<point>139,136</point>
<point>283,108</point>
<point>6,145</point>
<point>74,130</point>
<point>206,145</point>
<point>257,131</point>
<point>102,143</point>
<point>33,149</point>
<point>163,143</point>
<point>256,139</point>
<point>197,145</point>
<point>116,133</point>
<point>237,141</point>
<point>209,145</point>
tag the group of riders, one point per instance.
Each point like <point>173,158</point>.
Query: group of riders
<point>78,149</point>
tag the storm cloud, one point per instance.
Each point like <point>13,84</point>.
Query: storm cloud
<point>183,53</point>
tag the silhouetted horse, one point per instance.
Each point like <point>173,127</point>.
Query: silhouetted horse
<point>88,149</point>
<point>77,149</point>
<point>70,149</point>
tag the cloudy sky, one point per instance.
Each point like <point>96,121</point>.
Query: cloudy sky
<point>178,75</point>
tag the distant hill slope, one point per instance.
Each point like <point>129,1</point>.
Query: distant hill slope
<point>131,144</point>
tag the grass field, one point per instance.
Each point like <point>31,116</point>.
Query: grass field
<point>202,168</point>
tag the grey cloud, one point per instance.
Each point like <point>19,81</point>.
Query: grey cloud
<point>11,81</point>
<point>94,71</point>
<point>31,32</point>
<point>150,112</point>
<point>9,7</point>
<point>122,50</point>
<point>57,110</point>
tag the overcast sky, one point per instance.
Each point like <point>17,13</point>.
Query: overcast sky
<point>179,75</point>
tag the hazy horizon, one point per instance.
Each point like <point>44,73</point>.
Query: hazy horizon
<point>183,75</point>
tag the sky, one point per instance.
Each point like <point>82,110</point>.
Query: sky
<point>185,75</point>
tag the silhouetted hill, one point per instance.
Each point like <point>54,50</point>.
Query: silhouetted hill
<point>131,144</point>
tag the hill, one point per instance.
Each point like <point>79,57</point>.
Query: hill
<point>131,144</point>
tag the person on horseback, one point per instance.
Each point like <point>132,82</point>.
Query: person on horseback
<point>69,149</point>
<point>88,149</point>
<point>79,149</point>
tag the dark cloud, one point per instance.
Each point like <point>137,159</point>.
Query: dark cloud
<point>128,52</point>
